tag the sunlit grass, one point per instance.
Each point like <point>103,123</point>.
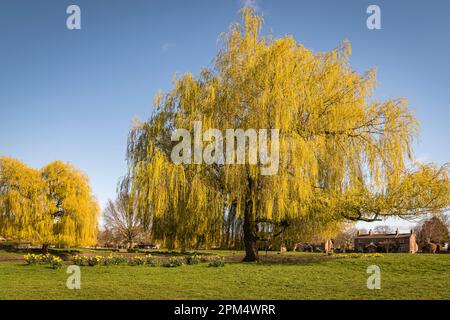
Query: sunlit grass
<point>403,276</point>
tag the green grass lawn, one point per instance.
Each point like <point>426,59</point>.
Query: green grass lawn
<point>311,276</point>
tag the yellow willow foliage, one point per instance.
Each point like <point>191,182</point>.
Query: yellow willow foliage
<point>53,206</point>
<point>422,189</point>
<point>334,139</point>
<point>73,207</point>
<point>23,204</point>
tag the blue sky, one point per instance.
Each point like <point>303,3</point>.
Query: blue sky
<point>71,95</point>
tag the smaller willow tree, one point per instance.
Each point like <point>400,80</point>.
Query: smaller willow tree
<point>52,206</point>
<point>341,155</point>
<point>72,207</point>
<point>23,203</point>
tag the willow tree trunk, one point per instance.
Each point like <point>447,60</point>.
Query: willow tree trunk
<point>230,226</point>
<point>44,248</point>
<point>250,236</point>
<point>251,252</point>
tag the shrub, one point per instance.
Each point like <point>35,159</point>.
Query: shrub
<point>94,261</point>
<point>173,262</point>
<point>107,261</point>
<point>137,261</point>
<point>56,262</point>
<point>190,260</point>
<point>151,261</point>
<point>80,261</point>
<point>116,260</point>
<point>217,263</point>
<point>198,258</point>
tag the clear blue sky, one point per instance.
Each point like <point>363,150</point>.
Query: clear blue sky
<point>71,95</point>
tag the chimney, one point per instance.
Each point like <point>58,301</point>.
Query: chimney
<point>397,232</point>
<point>370,232</point>
<point>358,233</point>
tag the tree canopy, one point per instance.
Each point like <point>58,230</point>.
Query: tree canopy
<point>343,155</point>
<point>23,204</point>
<point>434,230</point>
<point>53,205</point>
<point>122,219</point>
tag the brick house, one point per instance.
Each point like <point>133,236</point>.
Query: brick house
<point>388,242</point>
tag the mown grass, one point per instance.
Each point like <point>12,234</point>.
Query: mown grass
<point>313,276</point>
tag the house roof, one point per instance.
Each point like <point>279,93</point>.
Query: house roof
<point>383,235</point>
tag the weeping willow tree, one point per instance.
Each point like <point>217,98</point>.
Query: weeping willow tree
<point>72,207</point>
<point>51,206</point>
<point>23,204</point>
<point>342,155</point>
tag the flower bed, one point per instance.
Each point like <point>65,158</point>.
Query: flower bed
<point>147,260</point>
<point>111,260</point>
<point>54,261</point>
